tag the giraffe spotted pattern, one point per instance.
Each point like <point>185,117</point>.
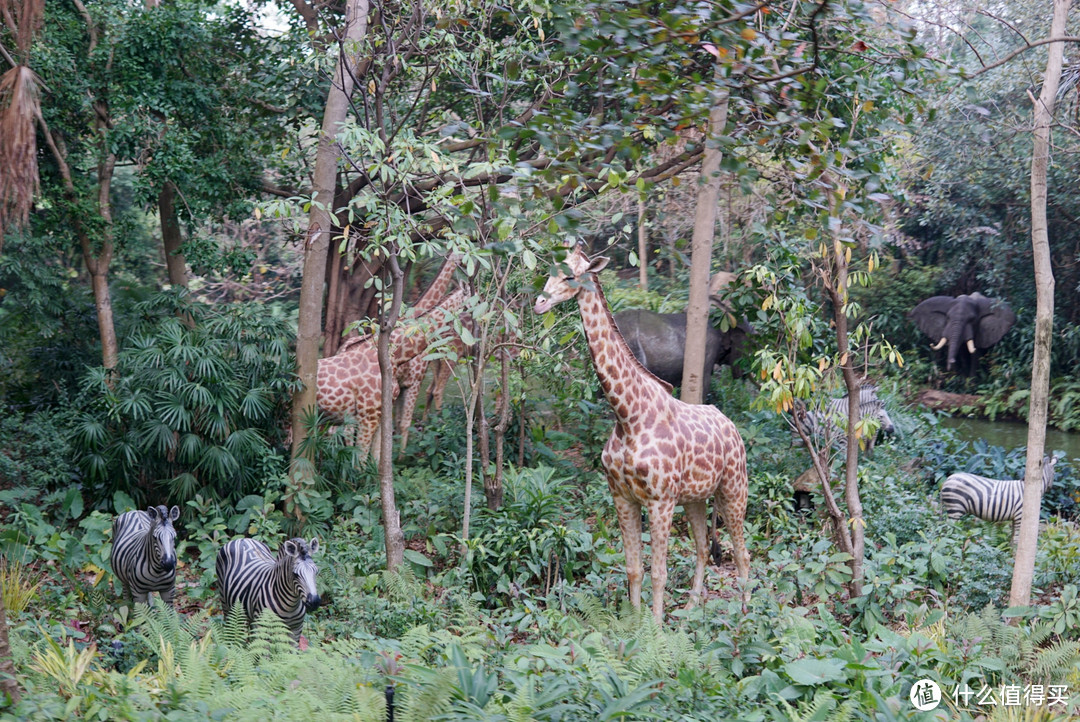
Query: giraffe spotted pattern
<point>349,384</point>
<point>663,452</point>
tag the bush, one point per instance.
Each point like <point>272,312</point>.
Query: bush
<point>196,409</point>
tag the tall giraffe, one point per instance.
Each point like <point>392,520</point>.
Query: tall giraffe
<point>349,384</point>
<point>662,451</point>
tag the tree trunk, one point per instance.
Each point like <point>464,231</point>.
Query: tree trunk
<point>317,241</point>
<point>697,310</point>
<point>9,684</point>
<point>483,430</point>
<point>334,304</point>
<point>502,409</point>
<point>395,538</point>
<point>642,245</point>
<point>170,236</point>
<point>1024,566</point>
<point>838,294</point>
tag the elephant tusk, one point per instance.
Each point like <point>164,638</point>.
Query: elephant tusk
<point>971,346</point>
<point>939,344</point>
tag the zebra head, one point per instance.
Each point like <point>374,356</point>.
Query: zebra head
<point>304,569</point>
<point>163,535</point>
<point>1048,471</point>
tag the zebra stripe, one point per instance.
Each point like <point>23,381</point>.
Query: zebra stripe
<point>990,499</point>
<point>248,573</point>
<point>143,554</point>
<point>829,425</point>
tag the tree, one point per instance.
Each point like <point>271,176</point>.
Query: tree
<point>708,196</point>
<point>1043,118</point>
<point>321,219</point>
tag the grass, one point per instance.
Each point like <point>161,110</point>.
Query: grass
<point>18,584</point>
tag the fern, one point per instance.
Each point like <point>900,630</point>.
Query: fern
<point>401,585</point>
<point>430,697</point>
<point>233,629</point>
<point>270,637</point>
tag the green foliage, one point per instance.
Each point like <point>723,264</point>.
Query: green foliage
<point>524,546</point>
<point>198,409</point>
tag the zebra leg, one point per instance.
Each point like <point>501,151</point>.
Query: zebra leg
<point>125,593</point>
<point>141,597</point>
<point>167,596</point>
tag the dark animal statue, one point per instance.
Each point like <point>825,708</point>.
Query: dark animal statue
<point>968,324</point>
<point>658,340</point>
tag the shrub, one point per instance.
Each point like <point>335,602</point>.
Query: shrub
<point>200,408</point>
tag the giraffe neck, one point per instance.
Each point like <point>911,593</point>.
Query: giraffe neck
<point>622,376</point>
<point>438,288</point>
<point>411,341</point>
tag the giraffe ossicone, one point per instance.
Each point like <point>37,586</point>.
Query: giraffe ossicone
<point>662,452</point>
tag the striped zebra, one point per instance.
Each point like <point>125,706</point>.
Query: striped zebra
<point>990,499</point>
<point>144,553</point>
<point>248,573</point>
<point>828,426</point>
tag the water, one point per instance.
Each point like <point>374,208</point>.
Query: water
<point>1011,434</point>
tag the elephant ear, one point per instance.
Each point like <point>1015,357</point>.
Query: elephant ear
<point>931,315</point>
<point>993,324</point>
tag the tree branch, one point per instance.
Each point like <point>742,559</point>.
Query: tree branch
<point>1029,46</point>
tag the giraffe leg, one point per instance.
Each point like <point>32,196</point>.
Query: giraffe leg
<point>733,510</point>
<point>412,393</point>
<point>629,513</point>
<point>661,512</point>
<point>446,371</point>
<point>696,512</point>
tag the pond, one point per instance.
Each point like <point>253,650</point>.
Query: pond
<point>1011,434</point>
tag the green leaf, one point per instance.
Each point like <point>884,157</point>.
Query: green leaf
<point>417,558</point>
<point>815,671</point>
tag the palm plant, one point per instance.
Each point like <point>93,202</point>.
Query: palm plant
<point>198,406</point>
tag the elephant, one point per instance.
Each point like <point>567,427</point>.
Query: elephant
<point>968,324</point>
<point>658,340</point>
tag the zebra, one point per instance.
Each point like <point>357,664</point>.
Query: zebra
<point>248,573</point>
<point>143,554</point>
<point>991,499</point>
<point>829,425</point>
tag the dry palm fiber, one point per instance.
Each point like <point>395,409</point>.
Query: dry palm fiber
<point>19,108</point>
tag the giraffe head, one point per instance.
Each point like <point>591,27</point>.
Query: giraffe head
<point>566,283</point>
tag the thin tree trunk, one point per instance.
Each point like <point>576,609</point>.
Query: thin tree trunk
<point>9,684</point>
<point>838,294</point>
<point>1024,567</point>
<point>522,421</point>
<point>395,538</point>
<point>483,430</point>
<point>317,240</point>
<point>502,409</point>
<point>642,245</point>
<point>697,310</point>
<point>170,236</point>
<point>466,514</point>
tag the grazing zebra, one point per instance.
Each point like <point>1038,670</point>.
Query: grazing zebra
<point>144,553</point>
<point>990,499</point>
<point>829,425</point>
<point>248,573</point>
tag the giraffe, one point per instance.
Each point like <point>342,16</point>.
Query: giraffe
<point>349,383</point>
<point>408,375</point>
<point>662,451</point>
